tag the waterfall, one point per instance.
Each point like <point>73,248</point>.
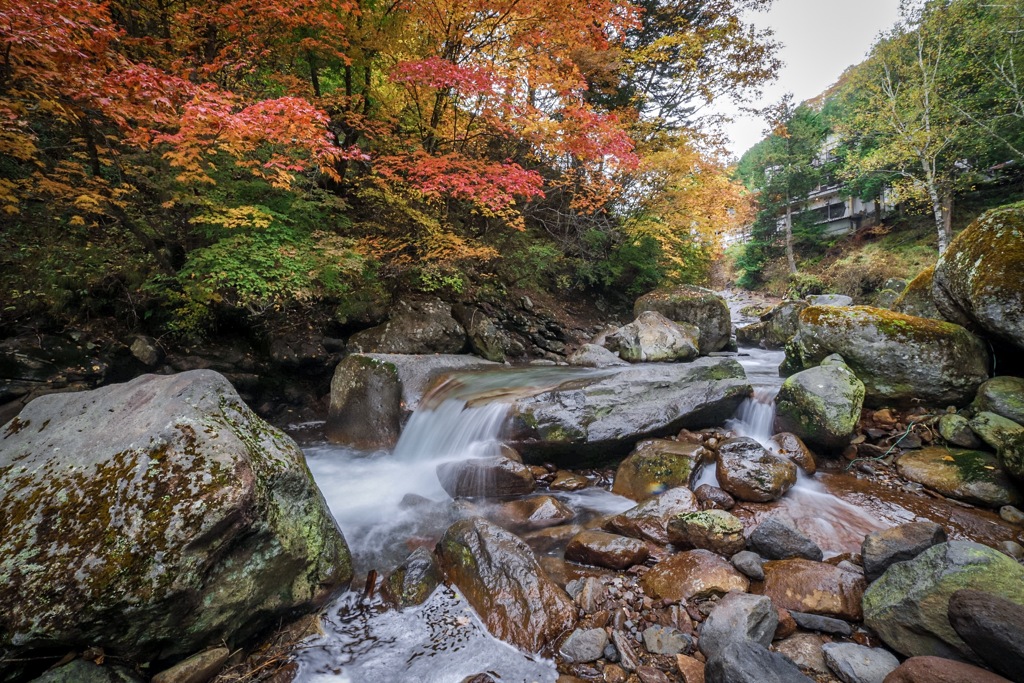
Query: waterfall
<point>755,416</point>
<point>452,430</point>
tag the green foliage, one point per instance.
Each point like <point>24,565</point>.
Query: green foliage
<point>804,284</point>
<point>631,267</point>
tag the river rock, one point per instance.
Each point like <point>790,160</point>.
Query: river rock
<point>694,305</point>
<point>594,356</point>
<point>899,358</point>
<point>908,606</point>
<point>1003,396</point>
<point>372,395</point>
<point>750,563</point>
<point>649,520</point>
<point>752,334</point>
<point>854,663</point>
<point>486,339</point>
<point>814,587</point>
<point>882,549</point>
<point>956,430</point>
<point>816,622</point>
<point>777,538</point>
<point>602,549</point>
<point>738,616</point>
<point>714,530</point>
<point>666,640</point>
<point>568,481</point>
<point>594,417</point>
<point>978,278</point>
<point>659,464</point>
<point>413,581</point>
<point>749,472</point>
<point>653,338</point>
<point>690,575</point>
<point>81,671</point>
<point>917,299</point>
<point>235,533</point>
<point>535,512</point>
<point>1006,437</point>
<point>413,327</point>
<point>747,662</point>
<point>709,496</point>
<point>992,626</point>
<point>804,650</point>
<point>940,670</point>
<point>199,668</point>
<point>492,477</point>
<point>820,405</point>
<point>829,300</point>
<point>782,323</point>
<point>500,578</point>
<point>584,645</point>
<point>971,476</point>
<point>791,446</point>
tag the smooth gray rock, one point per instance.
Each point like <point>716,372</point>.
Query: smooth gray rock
<point>820,405</point>
<point>653,338</point>
<point>694,305</point>
<point>1006,437</point>
<point>1003,396</point>
<point>994,628</point>
<point>749,662</point>
<point>817,622</point>
<point>777,538</point>
<point>666,640</point>
<point>956,429</point>
<point>829,300</point>
<point>854,663</point>
<point>413,327</point>
<point>594,356</point>
<point>738,616</point>
<point>881,549</point>
<point>750,563</point>
<point>749,472</point>
<point>584,645</point>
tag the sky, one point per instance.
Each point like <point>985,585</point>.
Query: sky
<point>820,39</point>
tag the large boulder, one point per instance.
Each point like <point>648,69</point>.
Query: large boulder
<point>978,279</point>
<point>917,299</point>
<point>500,578</point>
<point>594,356</point>
<point>744,661</point>
<point>486,339</point>
<point>656,465</point>
<point>782,323</point>
<point>587,419</point>
<point>899,358</point>
<point>882,549</point>
<point>940,670</point>
<point>155,518</point>
<point>908,606</point>
<point>821,405</point>
<point>653,338</point>
<point>749,472</point>
<point>991,625</point>
<point>372,394</point>
<point>971,476</point>
<point>694,305</point>
<point>413,327</point>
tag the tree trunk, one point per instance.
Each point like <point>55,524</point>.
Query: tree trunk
<point>947,217</point>
<point>937,212</point>
<point>789,237</point>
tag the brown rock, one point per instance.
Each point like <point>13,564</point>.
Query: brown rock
<point>692,574</point>
<point>714,530</point>
<point>709,496</point>
<point>804,650</point>
<point>940,670</point>
<point>649,520</point>
<point>787,625</point>
<point>749,472</point>
<point>545,540</point>
<point>814,587</point>
<point>537,512</point>
<point>568,481</point>
<point>656,465</point>
<point>198,668</point>
<point>606,550</point>
<point>613,673</point>
<point>691,669</point>
<point>792,446</point>
<point>493,477</point>
<point>650,674</point>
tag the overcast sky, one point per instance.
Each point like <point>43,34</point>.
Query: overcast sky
<point>820,39</point>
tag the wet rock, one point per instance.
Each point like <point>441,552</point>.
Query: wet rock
<point>500,578</point>
<point>777,538</point>
<point>899,358</point>
<point>629,659</point>
<point>908,606</point>
<point>413,327</point>
<point>653,338</point>
<point>956,430</point>
<point>602,549</point>
<point>854,663</point>
<point>738,616</point>
<point>993,627</point>
<point>804,650</point>
<point>748,662</point>
<point>782,323</point>
<point>829,300</point>
<point>584,645</point>
<point>1011,549</point>
<point>714,530</point>
<point>814,587</point>
<point>940,670</point>
<point>81,671</point>
<point>882,549</point>
<point>749,563</point>
<point>709,496</point>
<point>493,477</point>
<point>692,670</point>
<point>816,622</point>
<point>536,512</point>
<point>977,280</point>
<point>486,339</point>
<point>1006,437</point>
<point>752,334</point>
<point>691,575</point>
<point>1011,514</point>
<point>199,668</point>
<point>413,581</point>
<point>820,405</point>
<point>1003,396</point>
<point>594,356</point>
<point>659,464</point>
<point>665,640</point>
<point>649,520</point>
<point>917,299</point>
<point>568,481</point>
<point>749,472</point>
<point>791,446</point>
<point>650,674</point>
<point>694,305</point>
<point>971,476</point>
<point>146,351</point>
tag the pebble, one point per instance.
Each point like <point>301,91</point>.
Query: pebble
<point>750,563</point>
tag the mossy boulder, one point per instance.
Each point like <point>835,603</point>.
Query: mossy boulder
<point>715,530</point>
<point>917,299</point>
<point>420,326</point>
<point>1006,437</point>
<point>908,607</point>
<point>694,305</point>
<point>156,518</point>
<point>900,359</point>
<point>749,472</point>
<point>978,279</point>
<point>782,323</point>
<point>820,405</point>
<point>1003,396</point>
<point>656,465</point>
<point>653,338</point>
<point>967,475</point>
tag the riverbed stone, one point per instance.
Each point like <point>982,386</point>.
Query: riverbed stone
<point>656,465</point>
<point>235,532</point>
<point>709,496</point>
<point>690,575</point>
<point>714,530</point>
<point>491,477</point>
<point>782,323</point>
<point>649,520</point>
<point>1004,396</point>
<point>956,430</point>
<point>594,356</point>
<point>602,549</point>
<point>413,327</point>
<point>599,417</point>
<point>854,663</point>
<point>777,538</point>
<point>1006,437</point>
<point>745,661</point>
<point>738,616</point>
<point>821,405</point>
<point>881,549</point>
<point>666,640</point>
<point>929,669</point>
<point>486,339</point>
<point>568,481</point>
<point>971,476</point>
<point>829,300</point>
<point>899,358</point>
<point>749,563</point>
<point>917,298</point>
<point>501,579</point>
<point>814,587</point>
<point>791,446</point>
<point>749,472</point>
<point>653,338</point>
<point>199,668</point>
<point>82,671</point>
<point>694,305</point>
<point>535,512</point>
<point>816,622</point>
<point>977,279</point>
<point>908,606</point>
<point>584,645</point>
<point>804,650</point>
<point>993,627</point>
